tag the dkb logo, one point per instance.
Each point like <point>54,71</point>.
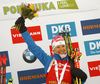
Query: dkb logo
<point>55,29</point>
<point>92,47</point>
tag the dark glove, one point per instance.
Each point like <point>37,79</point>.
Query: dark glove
<point>76,72</point>
<point>22,21</point>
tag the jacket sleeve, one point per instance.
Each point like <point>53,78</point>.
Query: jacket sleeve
<point>36,50</point>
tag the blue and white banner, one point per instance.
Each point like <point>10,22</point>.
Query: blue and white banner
<point>55,29</point>
<point>92,47</point>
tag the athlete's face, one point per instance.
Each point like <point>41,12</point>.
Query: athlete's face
<point>60,49</point>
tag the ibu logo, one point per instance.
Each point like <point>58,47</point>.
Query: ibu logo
<point>92,47</point>
<point>55,29</point>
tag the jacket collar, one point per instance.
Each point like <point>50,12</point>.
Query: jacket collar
<point>57,57</point>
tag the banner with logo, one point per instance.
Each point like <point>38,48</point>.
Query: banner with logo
<point>81,17</point>
<point>11,10</point>
<point>94,68</point>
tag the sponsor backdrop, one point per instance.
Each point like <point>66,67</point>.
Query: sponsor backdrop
<point>82,17</point>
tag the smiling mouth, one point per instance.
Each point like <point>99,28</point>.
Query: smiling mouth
<point>63,52</point>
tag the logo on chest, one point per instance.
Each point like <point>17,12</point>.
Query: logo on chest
<point>61,66</point>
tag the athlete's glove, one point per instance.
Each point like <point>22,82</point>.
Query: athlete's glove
<point>22,21</point>
<point>76,72</point>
